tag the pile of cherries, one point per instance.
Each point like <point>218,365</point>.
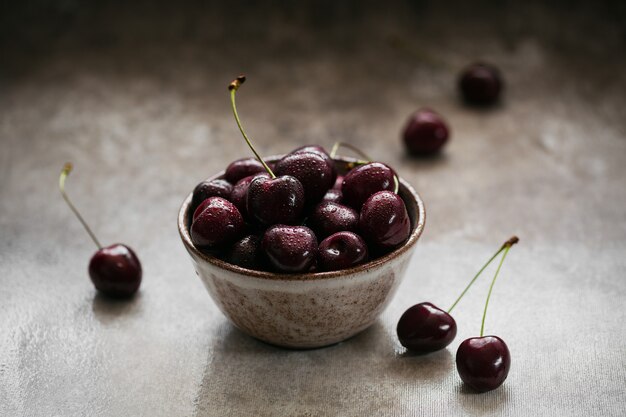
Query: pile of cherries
<point>298,215</point>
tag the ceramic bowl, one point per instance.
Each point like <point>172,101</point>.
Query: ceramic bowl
<point>305,310</point>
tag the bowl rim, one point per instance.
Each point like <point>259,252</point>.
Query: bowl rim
<point>308,276</point>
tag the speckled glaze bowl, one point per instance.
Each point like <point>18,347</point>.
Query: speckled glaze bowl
<point>305,310</point>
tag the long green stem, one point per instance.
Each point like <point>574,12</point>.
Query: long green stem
<point>233,87</point>
<point>506,244</point>
<point>353,148</point>
<point>355,163</point>
<point>482,326</point>
<point>474,279</point>
<point>67,168</point>
<point>334,150</point>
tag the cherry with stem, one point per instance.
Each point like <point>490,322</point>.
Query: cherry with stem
<point>425,328</point>
<point>374,176</point>
<point>273,200</point>
<point>367,159</point>
<point>483,362</point>
<point>114,270</point>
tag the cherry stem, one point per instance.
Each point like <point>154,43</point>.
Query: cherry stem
<point>67,168</point>
<point>507,247</point>
<point>504,246</point>
<point>337,145</point>
<point>353,148</point>
<point>233,87</point>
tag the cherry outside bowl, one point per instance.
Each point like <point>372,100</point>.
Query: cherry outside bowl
<point>305,310</point>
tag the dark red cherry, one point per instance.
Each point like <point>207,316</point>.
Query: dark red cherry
<point>333,195</point>
<point>311,170</point>
<point>240,193</point>
<point>340,251</point>
<point>328,218</point>
<point>275,200</point>
<point>365,180</point>
<point>426,328</point>
<point>247,253</point>
<point>290,248</point>
<point>384,222</point>
<point>480,84</point>
<point>425,132</point>
<point>321,152</point>
<point>218,225</point>
<point>242,168</point>
<point>483,363</point>
<point>115,271</point>
<point>213,188</point>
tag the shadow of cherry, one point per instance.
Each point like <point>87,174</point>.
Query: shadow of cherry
<point>107,309</point>
<point>433,366</point>
<point>425,162</point>
<point>475,402</point>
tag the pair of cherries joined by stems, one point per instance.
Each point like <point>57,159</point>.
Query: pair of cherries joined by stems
<point>292,203</point>
<point>114,270</point>
<point>482,362</point>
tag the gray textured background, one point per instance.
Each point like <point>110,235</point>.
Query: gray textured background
<point>136,98</point>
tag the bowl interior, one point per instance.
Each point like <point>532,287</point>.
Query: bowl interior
<point>414,206</point>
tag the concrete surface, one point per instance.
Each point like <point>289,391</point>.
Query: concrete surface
<point>136,97</point>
